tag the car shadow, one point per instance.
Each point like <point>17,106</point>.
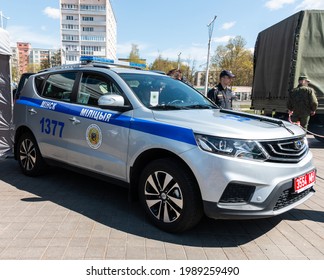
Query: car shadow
<point>108,205</point>
<point>314,143</point>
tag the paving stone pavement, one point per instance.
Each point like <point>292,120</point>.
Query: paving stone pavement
<point>64,216</point>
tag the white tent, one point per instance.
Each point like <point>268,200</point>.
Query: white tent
<point>6,102</point>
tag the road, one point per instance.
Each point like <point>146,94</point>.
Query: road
<point>64,216</point>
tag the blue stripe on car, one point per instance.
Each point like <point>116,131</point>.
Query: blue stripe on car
<point>177,133</point>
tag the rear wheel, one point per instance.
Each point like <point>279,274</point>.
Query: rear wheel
<point>29,157</point>
<point>170,195</point>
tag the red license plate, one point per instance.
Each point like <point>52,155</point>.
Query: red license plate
<point>303,182</point>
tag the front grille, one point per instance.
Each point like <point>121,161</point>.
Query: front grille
<point>286,151</point>
<point>289,197</point>
<point>237,193</point>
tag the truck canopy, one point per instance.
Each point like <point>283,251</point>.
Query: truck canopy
<point>285,51</point>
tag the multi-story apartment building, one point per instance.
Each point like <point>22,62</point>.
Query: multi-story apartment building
<point>23,51</point>
<point>88,27</point>
<point>27,59</point>
<point>39,56</point>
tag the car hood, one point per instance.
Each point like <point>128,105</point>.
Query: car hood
<point>230,124</point>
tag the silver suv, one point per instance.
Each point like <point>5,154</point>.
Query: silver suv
<point>175,150</point>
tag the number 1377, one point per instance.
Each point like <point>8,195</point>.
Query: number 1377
<point>53,127</point>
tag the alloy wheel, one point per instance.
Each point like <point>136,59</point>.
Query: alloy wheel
<point>163,197</point>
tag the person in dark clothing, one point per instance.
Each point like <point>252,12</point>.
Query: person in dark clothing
<point>302,102</point>
<point>175,74</point>
<point>221,94</point>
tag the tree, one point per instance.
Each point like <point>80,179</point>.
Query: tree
<point>134,55</point>
<point>14,73</point>
<point>162,64</point>
<point>33,67</point>
<point>189,71</point>
<point>45,63</point>
<point>56,59</point>
<point>235,57</point>
<point>165,65</point>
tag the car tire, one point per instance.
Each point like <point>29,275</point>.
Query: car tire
<point>170,195</point>
<point>29,157</point>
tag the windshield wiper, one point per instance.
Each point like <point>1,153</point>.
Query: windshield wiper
<point>167,107</point>
<point>201,106</point>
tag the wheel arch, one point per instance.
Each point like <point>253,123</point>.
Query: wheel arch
<point>144,159</point>
<point>20,131</point>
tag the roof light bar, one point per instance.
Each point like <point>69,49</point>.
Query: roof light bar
<point>91,59</point>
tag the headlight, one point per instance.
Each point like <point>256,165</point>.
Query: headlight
<point>245,149</point>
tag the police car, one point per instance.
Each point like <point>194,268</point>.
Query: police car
<point>175,150</point>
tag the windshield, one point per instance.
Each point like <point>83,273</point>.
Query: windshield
<point>160,92</point>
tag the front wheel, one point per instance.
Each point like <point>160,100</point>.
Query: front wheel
<point>29,157</point>
<point>170,195</point>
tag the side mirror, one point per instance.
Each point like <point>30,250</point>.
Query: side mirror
<point>113,102</point>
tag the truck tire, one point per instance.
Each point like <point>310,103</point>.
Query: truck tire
<point>170,195</point>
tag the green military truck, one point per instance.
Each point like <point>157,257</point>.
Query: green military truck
<point>283,52</point>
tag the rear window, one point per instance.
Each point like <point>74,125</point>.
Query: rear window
<point>57,86</point>
<point>23,79</point>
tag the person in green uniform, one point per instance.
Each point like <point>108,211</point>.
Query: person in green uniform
<point>302,102</point>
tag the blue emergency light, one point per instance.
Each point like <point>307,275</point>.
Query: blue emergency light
<point>93,59</point>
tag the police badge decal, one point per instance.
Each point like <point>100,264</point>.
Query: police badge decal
<point>94,136</point>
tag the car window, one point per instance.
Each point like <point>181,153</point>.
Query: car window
<point>93,86</point>
<point>39,82</point>
<point>23,80</point>
<point>59,86</point>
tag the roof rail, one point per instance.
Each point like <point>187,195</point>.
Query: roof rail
<point>63,66</point>
<point>100,60</point>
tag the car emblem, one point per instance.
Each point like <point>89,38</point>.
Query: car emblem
<point>298,145</point>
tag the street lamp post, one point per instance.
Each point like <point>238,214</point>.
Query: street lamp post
<point>179,60</point>
<point>210,33</point>
<point>2,22</point>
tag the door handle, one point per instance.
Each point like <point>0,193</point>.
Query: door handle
<point>32,111</point>
<point>74,120</point>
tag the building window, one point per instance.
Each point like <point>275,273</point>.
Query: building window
<point>70,38</point>
<point>70,26</point>
<point>88,29</point>
<point>71,58</point>
<point>90,50</point>
<point>69,7</point>
<point>93,8</point>
<point>87,18</point>
<point>69,17</point>
<point>93,38</point>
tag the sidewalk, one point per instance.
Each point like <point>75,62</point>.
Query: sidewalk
<point>62,216</point>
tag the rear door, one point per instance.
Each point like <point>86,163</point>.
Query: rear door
<point>47,113</point>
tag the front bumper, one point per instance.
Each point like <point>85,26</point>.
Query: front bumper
<point>280,200</point>
<point>258,189</point>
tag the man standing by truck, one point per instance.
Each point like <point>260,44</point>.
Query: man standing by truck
<point>222,95</point>
<point>302,102</point>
